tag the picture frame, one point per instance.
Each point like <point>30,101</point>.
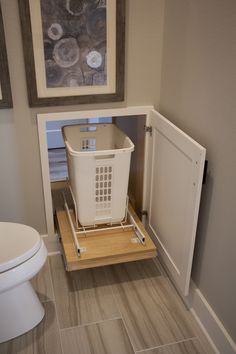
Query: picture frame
<point>73,51</point>
<point>5,86</point>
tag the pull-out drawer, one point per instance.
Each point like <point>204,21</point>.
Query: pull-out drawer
<point>103,247</point>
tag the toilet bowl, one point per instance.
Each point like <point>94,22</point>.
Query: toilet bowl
<point>22,255</point>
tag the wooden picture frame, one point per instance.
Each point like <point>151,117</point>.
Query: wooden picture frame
<point>5,87</point>
<point>74,51</point>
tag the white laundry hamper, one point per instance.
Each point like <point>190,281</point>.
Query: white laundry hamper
<point>98,158</point>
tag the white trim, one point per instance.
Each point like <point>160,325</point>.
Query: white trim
<point>211,325</point>
<point>95,113</point>
<point>146,168</point>
<point>52,244</point>
<point>53,131</point>
<point>42,119</point>
<point>54,253</point>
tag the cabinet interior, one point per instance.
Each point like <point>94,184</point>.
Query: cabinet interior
<point>133,126</point>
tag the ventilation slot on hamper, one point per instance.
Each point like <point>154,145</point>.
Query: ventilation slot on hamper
<point>98,166</point>
<point>89,144</point>
<point>103,190</point>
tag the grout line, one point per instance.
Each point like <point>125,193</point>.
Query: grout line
<point>60,330</point>
<point>143,350</point>
<point>166,345</point>
<point>193,323</point>
<point>90,324</point>
<point>118,308</point>
<point>57,319</point>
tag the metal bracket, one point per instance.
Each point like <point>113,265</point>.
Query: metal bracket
<point>148,129</point>
<point>136,228</point>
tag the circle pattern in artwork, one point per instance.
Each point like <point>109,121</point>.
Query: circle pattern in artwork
<point>75,42</point>
<point>66,52</point>
<point>73,78</point>
<point>94,59</point>
<point>75,7</point>
<point>55,31</point>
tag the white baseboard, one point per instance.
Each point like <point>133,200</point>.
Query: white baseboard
<point>54,253</point>
<point>211,325</point>
<point>52,244</point>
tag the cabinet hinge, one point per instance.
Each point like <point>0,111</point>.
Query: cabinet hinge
<point>148,129</point>
<point>144,213</point>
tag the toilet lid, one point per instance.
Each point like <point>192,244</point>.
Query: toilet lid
<point>18,243</point>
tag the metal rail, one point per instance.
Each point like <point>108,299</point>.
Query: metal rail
<point>137,229</point>
<point>71,225</point>
<point>82,230</point>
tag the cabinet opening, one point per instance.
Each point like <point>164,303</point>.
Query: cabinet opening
<point>165,180</point>
<point>132,126</point>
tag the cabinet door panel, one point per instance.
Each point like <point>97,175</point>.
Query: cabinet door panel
<point>175,180</point>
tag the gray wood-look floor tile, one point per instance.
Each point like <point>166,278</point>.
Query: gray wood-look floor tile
<point>191,346</point>
<point>42,283</point>
<point>83,296</point>
<point>43,339</point>
<point>152,314</point>
<point>108,337</point>
<point>195,327</point>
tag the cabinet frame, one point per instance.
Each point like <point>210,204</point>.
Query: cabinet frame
<point>194,152</point>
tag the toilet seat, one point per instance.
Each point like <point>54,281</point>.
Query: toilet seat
<point>18,243</point>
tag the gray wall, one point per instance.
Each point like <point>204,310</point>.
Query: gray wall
<point>198,93</point>
<point>20,178</point>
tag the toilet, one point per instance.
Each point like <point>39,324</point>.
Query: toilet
<point>22,255</point>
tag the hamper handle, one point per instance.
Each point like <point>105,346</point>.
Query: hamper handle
<point>88,129</point>
<point>104,157</point>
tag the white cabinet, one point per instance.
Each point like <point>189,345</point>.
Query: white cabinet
<point>166,181</point>
<point>174,176</point>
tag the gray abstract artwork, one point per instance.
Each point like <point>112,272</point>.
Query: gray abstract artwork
<point>75,42</point>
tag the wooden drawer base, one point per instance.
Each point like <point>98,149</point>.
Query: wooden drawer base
<point>102,248</point>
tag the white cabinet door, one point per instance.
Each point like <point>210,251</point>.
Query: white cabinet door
<point>174,177</point>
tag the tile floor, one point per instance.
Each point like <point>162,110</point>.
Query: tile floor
<point>122,309</point>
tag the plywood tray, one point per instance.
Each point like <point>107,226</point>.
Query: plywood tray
<point>102,248</point>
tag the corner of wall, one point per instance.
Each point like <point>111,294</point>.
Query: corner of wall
<point>210,324</point>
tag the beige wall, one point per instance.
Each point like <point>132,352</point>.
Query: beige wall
<point>198,93</point>
<point>20,177</point>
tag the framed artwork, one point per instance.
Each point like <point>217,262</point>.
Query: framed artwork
<point>74,50</point>
<point>5,87</point>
